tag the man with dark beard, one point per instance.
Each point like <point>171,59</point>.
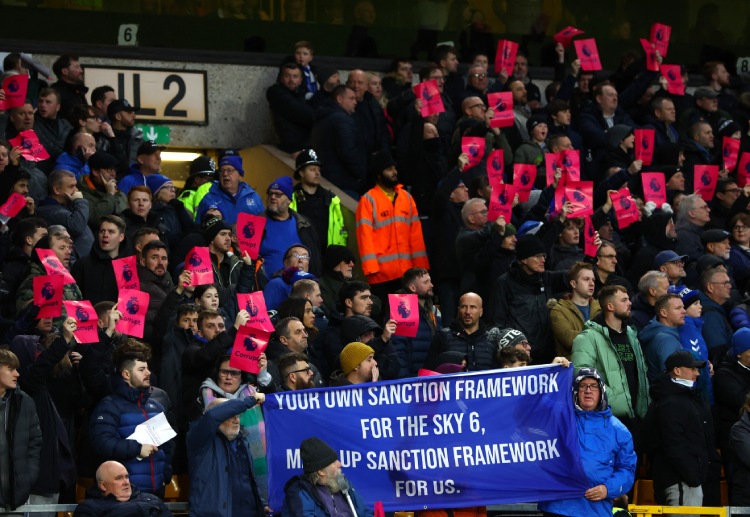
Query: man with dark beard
<point>322,470</point>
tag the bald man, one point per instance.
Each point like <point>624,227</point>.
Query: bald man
<point>114,495</point>
<point>368,114</point>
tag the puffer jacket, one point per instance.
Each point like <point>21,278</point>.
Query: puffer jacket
<point>302,499</point>
<point>659,341</point>
<point>593,348</point>
<point>479,351</point>
<point>114,419</point>
<point>608,459</point>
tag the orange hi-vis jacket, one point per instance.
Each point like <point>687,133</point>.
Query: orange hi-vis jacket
<point>389,235</point>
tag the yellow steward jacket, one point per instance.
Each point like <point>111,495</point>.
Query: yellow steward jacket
<point>389,235</point>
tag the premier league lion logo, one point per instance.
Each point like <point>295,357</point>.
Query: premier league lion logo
<point>132,305</point>
<point>706,178</point>
<point>671,75</point>
<point>127,273</point>
<point>500,106</point>
<point>26,143</point>
<point>82,315</point>
<point>51,262</point>
<point>195,260</point>
<point>644,143</point>
<point>403,310</point>
<point>248,231</point>
<point>660,34</point>
<point>48,291</point>
<point>578,196</point>
<point>497,164</point>
<point>625,203</point>
<point>586,51</point>
<point>566,161</point>
<point>727,152</point>
<point>473,150</point>
<point>654,185</point>
<point>251,308</point>
<point>506,52</point>
<point>503,197</point>
<point>13,86</point>
<point>250,344</point>
<point>525,178</point>
<point>426,95</point>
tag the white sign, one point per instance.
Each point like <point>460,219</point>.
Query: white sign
<point>128,35</point>
<point>162,96</point>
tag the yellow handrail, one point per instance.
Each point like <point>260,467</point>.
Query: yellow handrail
<point>637,510</point>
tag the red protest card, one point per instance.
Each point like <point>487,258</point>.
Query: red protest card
<point>31,148</point>
<point>626,208</point>
<point>255,305</point>
<point>524,176</point>
<point>496,165</point>
<point>473,147</point>
<point>705,177</point>
<point>126,273</point>
<point>588,54</point>
<point>743,170</point>
<point>87,321</point>
<point>673,75</point>
<point>429,92</point>
<point>12,206</point>
<point>198,262</point>
<point>589,236</point>
<point>501,202</point>
<point>644,145</point>
<point>250,232</point>
<point>566,36</point>
<point>570,163</point>
<point>53,266</point>
<point>15,88</point>
<point>581,196</point>
<point>730,150</point>
<point>505,57</point>
<point>550,164</point>
<point>405,310</point>
<point>48,295</point>
<point>133,305</point>
<point>652,63</point>
<point>248,345</point>
<point>660,37</point>
<point>654,187</point>
<point>501,105</point>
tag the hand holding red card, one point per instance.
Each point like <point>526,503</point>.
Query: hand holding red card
<point>652,64</point>
<point>31,148</point>
<point>588,54</point>
<point>743,170</point>
<point>133,305</point>
<point>626,208</point>
<point>405,311</point>
<point>501,202</point>
<point>126,273</point>
<point>589,237</point>
<point>644,145</point>
<point>496,166</point>
<point>673,75</point>
<point>198,262</point>
<point>501,105</point>
<point>48,295</point>
<point>505,58</point>
<point>250,232</point>
<point>705,178</point>
<point>581,196</point>
<point>730,150</point>
<point>248,345</point>
<point>429,93</point>
<point>15,88</point>
<point>473,147</point>
<point>654,187</point>
<point>255,305</point>
<point>12,207</point>
<point>87,321</point>
<point>565,36</point>
<point>660,37</point>
<point>524,176</point>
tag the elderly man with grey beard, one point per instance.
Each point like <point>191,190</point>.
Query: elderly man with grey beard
<point>322,490</point>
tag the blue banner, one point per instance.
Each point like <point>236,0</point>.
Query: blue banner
<point>449,441</point>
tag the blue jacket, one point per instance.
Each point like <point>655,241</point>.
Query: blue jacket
<point>208,459</point>
<point>607,457</point>
<point>139,504</point>
<point>114,419</point>
<point>716,328</point>
<point>134,178</point>
<point>659,342</point>
<point>413,351</point>
<point>302,499</point>
<point>692,341</point>
<point>246,200</point>
<point>275,292</point>
<point>72,163</point>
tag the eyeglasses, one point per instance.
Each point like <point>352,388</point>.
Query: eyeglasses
<point>740,228</point>
<point>588,387</point>
<point>276,194</point>
<point>732,190</point>
<point>298,256</point>
<point>483,212</point>
<point>306,370</point>
<point>725,284</point>
<point>230,373</point>
<point>479,76</point>
<point>480,106</point>
<point>607,256</point>
<point>170,187</point>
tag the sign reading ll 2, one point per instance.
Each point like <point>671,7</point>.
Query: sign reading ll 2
<point>163,96</point>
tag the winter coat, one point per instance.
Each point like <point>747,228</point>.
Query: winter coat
<point>689,240</point>
<point>100,201</point>
<point>74,217</point>
<point>95,275</point>
<point>520,302</point>
<point>292,117</point>
<point>52,135</point>
<point>412,352</point>
<point>208,456</point>
<point>246,201</point>
<point>641,312</point>
<point>567,322</point>
<point>134,178</point>
<point>607,457</point>
<point>740,440</point>
<point>301,498</point>
<point>479,350</point>
<point>24,438</point>
<point>157,288</point>
<point>593,348</point>
<point>72,163</point>
<point>716,328</point>
<point>124,146</point>
<point>26,290</point>
<point>682,436</point>
<point>658,341</point>
<point>731,386</point>
<point>133,223</point>
<point>692,341</point>
<point>177,221</point>
<point>114,419</point>
<point>140,504</point>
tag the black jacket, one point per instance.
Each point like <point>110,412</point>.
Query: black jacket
<point>140,504</point>
<point>24,439</point>
<point>95,275</point>
<point>479,352</point>
<point>680,426</point>
<point>292,117</point>
<point>731,385</point>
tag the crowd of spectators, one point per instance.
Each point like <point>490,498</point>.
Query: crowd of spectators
<point>491,292</point>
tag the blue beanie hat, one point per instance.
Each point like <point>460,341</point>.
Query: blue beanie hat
<point>741,341</point>
<point>687,295</point>
<point>233,160</point>
<point>284,184</point>
<point>156,181</point>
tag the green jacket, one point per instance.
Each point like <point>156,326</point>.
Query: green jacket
<point>594,349</point>
<point>100,203</point>
<point>337,232</point>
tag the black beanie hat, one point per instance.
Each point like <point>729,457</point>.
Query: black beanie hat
<point>212,226</point>
<point>316,455</point>
<point>528,246</point>
<point>335,254</point>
